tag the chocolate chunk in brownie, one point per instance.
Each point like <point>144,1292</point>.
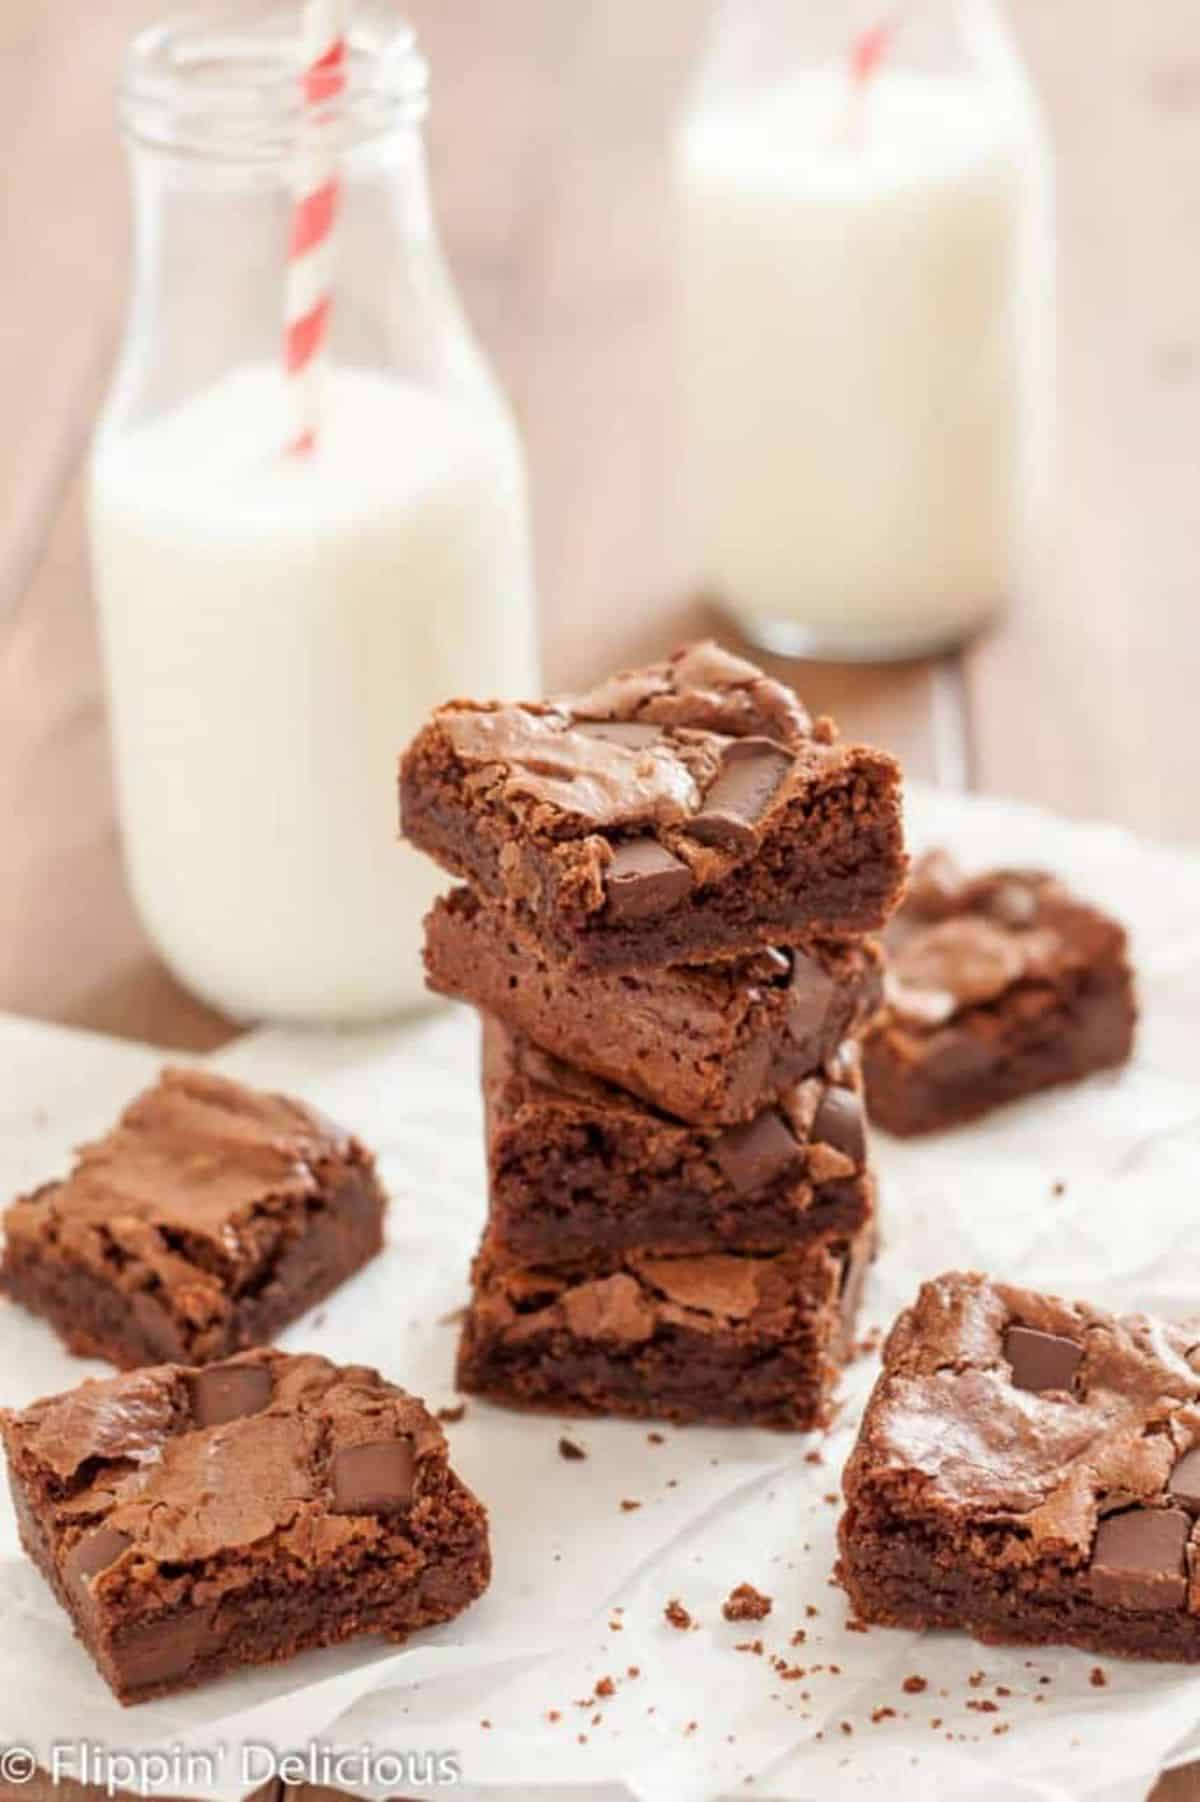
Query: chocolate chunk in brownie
<point>676,814</point>
<point>709,1043</point>
<point>206,1220</point>
<point>1027,1469</point>
<point>576,1165</point>
<point>194,1520</point>
<point>729,1336</point>
<point>997,986</point>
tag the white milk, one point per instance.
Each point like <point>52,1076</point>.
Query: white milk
<point>852,367</point>
<point>276,629</point>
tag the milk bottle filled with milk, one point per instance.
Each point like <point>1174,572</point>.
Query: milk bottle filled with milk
<point>864,269</point>
<point>278,617</point>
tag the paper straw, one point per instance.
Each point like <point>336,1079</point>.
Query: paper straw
<point>866,52</point>
<point>314,215</point>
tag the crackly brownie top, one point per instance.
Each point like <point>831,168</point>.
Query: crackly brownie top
<point>197,1153</point>
<point>959,943</point>
<point>679,768</point>
<point>179,1465</point>
<point>817,1127</point>
<point>1039,1427</point>
<point>627,1298</point>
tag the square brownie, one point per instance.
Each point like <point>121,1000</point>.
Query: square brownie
<point>997,986</point>
<point>725,1337</point>
<point>576,1165</point>
<point>675,814</point>
<point>711,1044</point>
<point>194,1520</point>
<point>206,1220</point>
<point>1028,1469</point>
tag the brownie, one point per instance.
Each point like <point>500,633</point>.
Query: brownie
<point>195,1519</point>
<point>997,986</point>
<point>576,1165</point>
<point>709,1043</point>
<point>675,814</point>
<point>1028,1469</point>
<point>723,1337</point>
<point>206,1220</point>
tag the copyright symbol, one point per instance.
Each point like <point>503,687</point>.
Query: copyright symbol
<point>17,1764</point>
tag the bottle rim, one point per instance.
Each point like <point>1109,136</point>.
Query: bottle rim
<point>229,88</point>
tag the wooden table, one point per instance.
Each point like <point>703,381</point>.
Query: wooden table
<point>548,133</point>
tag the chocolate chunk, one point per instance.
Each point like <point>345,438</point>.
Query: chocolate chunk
<point>644,879</point>
<point>95,1552</point>
<point>633,733</point>
<point>839,1122</point>
<point>1041,1360</point>
<point>753,1155</point>
<point>376,1478</point>
<point>808,1000</point>
<point>1012,903</point>
<point>1138,1560</point>
<point>162,1651</point>
<point>752,770</point>
<point>229,1392</point>
<point>1183,1485</point>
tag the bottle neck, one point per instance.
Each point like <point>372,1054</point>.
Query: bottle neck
<point>211,123</point>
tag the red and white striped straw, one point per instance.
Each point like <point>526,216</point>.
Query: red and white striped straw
<point>311,245</point>
<point>868,49</point>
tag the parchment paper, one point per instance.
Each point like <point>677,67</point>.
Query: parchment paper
<point>581,1581</point>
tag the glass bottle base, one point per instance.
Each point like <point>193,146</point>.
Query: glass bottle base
<point>823,644</point>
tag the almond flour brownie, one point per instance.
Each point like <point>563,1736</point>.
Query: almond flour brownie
<point>1028,1469</point>
<point>206,1220</point>
<point>713,1044</point>
<point>996,987</point>
<point>730,1336</point>
<point>577,1166</point>
<point>675,814</point>
<point>194,1520</point>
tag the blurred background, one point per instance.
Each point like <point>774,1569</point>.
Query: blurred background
<point>549,135</point>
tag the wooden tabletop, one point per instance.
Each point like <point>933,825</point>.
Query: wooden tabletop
<point>548,133</point>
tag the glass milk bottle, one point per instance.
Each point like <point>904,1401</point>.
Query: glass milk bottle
<point>864,263</point>
<point>276,624</point>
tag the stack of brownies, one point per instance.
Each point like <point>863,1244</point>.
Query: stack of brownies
<point>670,880</point>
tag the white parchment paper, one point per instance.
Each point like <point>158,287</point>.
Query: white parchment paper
<point>1094,1192</point>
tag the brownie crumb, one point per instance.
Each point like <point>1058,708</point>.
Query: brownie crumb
<point>810,1613</point>
<point>745,1603</point>
<point>985,1707</point>
<point>913,1686</point>
<point>813,1457</point>
<point>1097,1678</point>
<point>451,1416</point>
<point>553,1714</point>
<point>616,1626</point>
<point>1058,1188</point>
<point>656,1438</point>
<point>976,1678</point>
<point>1000,1727</point>
<point>791,1673</point>
<point>749,1645</point>
<point>677,1615</point>
<point>798,1637</point>
<point>846,1727</point>
<point>605,1687</point>
<point>628,1507</point>
<point>568,1449</point>
<point>883,1714</point>
<point>634,1670</point>
<point>856,1626</point>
